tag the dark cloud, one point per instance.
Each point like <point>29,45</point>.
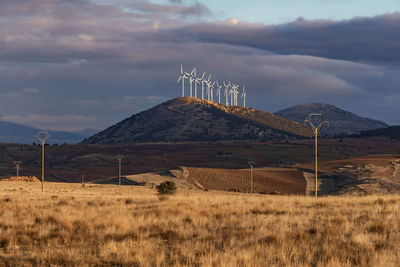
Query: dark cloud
<point>359,39</point>
<point>80,64</point>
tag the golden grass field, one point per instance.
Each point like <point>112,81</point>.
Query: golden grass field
<point>71,225</point>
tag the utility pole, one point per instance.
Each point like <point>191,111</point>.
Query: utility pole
<point>119,157</point>
<point>83,176</point>
<point>42,136</point>
<point>17,166</point>
<point>252,164</point>
<point>316,121</point>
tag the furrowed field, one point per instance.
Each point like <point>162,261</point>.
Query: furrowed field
<point>104,224</point>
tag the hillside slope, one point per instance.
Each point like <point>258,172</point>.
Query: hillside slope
<point>192,119</point>
<point>340,121</point>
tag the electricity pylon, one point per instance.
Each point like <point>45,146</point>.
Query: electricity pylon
<point>17,166</point>
<point>252,164</point>
<point>42,136</point>
<point>316,121</point>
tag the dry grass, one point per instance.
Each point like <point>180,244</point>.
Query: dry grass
<point>110,225</point>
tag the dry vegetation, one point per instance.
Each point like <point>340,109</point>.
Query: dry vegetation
<point>105,224</point>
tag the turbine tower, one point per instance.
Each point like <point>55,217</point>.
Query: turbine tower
<point>219,87</point>
<point>227,85</point>
<point>236,92</point>
<point>182,78</point>
<point>202,85</point>
<point>191,80</point>
<point>208,83</point>
<point>196,81</point>
<point>231,94</point>
<point>244,96</point>
<point>211,90</point>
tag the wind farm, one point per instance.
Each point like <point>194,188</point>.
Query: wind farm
<point>231,90</point>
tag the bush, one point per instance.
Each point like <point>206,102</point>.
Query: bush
<point>166,188</point>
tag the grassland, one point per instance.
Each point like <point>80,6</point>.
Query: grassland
<point>104,224</point>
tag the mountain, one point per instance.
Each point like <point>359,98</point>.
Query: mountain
<point>86,132</point>
<point>192,119</point>
<point>340,121</point>
<point>15,133</point>
<point>392,132</point>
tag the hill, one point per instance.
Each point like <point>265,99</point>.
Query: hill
<point>340,121</point>
<point>392,132</point>
<point>17,133</point>
<point>192,119</point>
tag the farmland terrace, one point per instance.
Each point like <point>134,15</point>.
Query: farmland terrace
<point>280,181</point>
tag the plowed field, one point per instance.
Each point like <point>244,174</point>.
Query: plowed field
<point>264,181</point>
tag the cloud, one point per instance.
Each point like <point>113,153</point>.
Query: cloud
<point>358,39</point>
<point>197,9</point>
<point>107,61</point>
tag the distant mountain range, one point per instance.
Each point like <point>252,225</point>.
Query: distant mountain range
<point>340,121</point>
<point>16,133</point>
<point>192,119</point>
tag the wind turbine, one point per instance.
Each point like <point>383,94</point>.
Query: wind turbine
<point>231,94</point>
<point>208,83</point>
<point>191,80</point>
<point>182,77</point>
<point>244,96</point>
<point>211,90</point>
<point>196,81</point>
<point>202,85</point>
<point>227,85</point>
<point>219,87</point>
<point>236,92</point>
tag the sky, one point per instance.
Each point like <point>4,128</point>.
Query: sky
<point>77,64</point>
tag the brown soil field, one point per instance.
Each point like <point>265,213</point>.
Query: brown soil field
<point>108,225</point>
<point>264,181</point>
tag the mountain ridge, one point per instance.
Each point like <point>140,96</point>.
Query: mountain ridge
<point>192,119</point>
<point>340,121</point>
<point>17,133</point>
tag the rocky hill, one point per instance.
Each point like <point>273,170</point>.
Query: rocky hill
<point>340,121</point>
<point>192,119</point>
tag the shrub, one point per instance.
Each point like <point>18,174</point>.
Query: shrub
<point>167,187</point>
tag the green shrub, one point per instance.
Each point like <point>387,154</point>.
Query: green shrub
<point>166,188</point>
